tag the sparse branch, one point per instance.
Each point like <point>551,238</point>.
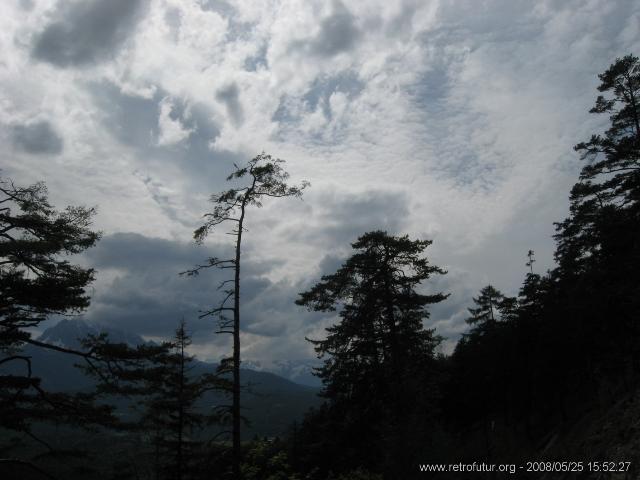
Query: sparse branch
<point>215,311</point>
<point>213,262</point>
<point>57,348</point>
<point>24,358</point>
<point>39,440</point>
<point>267,178</point>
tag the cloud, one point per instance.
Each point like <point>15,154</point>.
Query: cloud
<point>451,121</point>
<point>86,32</point>
<point>171,129</point>
<point>220,6</point>
<point>139,289</point>
<point>338,33</point>
<point>171,135</point>
<point>230,96</point>
<point>341,218</point>
<point>37,138</point>
<point>135,252</point>
<point>132,119</point>
<point>26,4</point>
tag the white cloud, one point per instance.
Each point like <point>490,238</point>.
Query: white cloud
<point>462,112</point>
<point>172,131</point>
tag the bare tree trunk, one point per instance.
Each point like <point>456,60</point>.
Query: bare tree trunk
<point>268,180</point>
<point>157,455</point>
<point>181,407</point>
<point>237,452</point>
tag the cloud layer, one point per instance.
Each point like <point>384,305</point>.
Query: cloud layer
<point>82,33</point>
<point>452,121</point>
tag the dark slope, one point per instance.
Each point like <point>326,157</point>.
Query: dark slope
<point>270,403</point>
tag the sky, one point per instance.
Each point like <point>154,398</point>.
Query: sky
<point>451,121</point>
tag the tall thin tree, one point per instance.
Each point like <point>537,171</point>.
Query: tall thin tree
<point>266,178</point>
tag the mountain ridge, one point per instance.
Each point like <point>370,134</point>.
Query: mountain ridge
<point>271,402</point>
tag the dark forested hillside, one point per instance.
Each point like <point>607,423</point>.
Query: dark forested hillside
<point>544,376</point>
<point>271,404</point>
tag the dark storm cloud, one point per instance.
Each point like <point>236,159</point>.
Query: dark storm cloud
<point>148,296</point>
<point>132,251</point>
<point>39,138</point>
<point>230,96</point>
<point>86,32</point>
<point>131,119</point>
<point>342,218</point>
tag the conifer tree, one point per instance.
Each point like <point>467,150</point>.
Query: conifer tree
<point>37,281</point>
<point>170,409</point>
<point>597,282</point>
<point>165,391</point>
<point>379,359</point>
<point>266,179</point>
<point>491,307</point>
<point>483,359</point>
<point>606,200</point>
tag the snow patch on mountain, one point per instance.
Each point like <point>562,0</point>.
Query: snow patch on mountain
<point>68,333</point>
<point>297,371</point>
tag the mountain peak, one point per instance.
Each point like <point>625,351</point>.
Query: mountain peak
<point>67,333</point>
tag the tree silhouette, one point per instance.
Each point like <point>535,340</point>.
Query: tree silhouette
<point>37,281</point>
<point>169,413</point>
<point>266,178</point>
<point>480,362</point>
<point>597,251</point>
<point>607,197</point>
<point>488,310</point>
<point>379,359</point>
<point>164,391</point>
<point>531,256</point>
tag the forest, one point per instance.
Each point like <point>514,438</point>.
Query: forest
<point>544,384</point>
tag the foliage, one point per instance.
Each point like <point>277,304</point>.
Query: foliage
<point>35,278</point>
<point>267,460</point>
<point>379,365</point>
<point>491,307</point>
<point>598,274</point>
<point>572,332</point>
<point>605,202</point>
<point>159,380</point>
<point>37,281</point>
